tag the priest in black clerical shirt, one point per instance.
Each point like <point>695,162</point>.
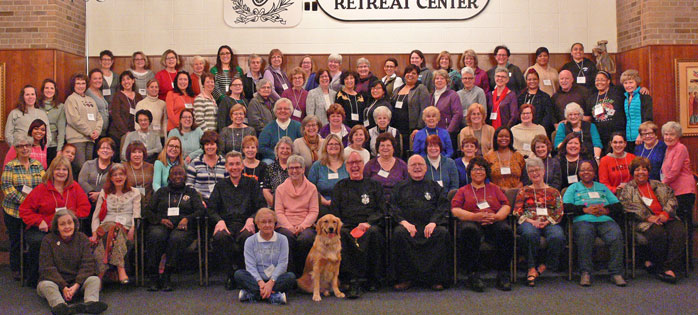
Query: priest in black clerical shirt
<point>360,204</point>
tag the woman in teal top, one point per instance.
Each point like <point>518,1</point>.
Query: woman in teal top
<point>592,206</point>
<point>189,134</point>
<point>328,170</point>
<point>170,156</point>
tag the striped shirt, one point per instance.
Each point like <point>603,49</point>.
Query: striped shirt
<point>202,178</point>
<point>14,178</point>
<point>205,113</point>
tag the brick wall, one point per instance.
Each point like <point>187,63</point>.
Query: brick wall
<point>58,24</point>
<point>656,22</point>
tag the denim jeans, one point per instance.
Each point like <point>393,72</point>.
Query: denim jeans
<point>609,232</point>
<point>555,238</point>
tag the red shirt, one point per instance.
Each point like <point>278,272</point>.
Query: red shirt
<point>614,171</point>
<point>165,82</point>
<point>42,201</point>
<point>467,198</point>
<point>647,192</point>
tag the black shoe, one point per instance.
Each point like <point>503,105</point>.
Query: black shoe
<point>166,285</point>
<point>354,292</point>
<point>475,283</point>
<point>230,283</point>
<point>372,286</point>
<point>95,307</point>
<point>155,284</point>
<point>77,308</point>
<point>61,309</point>
<point>503,282</point>
<point>666,278</point>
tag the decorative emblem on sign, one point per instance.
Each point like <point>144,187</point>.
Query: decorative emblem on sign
<point>245,15</point>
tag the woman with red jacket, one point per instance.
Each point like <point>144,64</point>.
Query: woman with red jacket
<point>59,191</point>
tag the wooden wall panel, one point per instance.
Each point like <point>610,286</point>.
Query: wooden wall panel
<point>66,65</point>
<point>24,66</point>
<point>485,61</point>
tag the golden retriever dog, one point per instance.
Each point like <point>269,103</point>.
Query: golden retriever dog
<point>321,270</point>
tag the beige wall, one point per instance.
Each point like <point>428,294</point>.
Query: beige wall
<point>197,27</point>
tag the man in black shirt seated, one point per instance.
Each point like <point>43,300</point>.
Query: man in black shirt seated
<point>232,206</point>
<point>360,204</point>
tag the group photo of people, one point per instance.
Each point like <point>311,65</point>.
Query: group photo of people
<point>434,172</point>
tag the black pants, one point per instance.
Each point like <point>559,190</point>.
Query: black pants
<point>362,258</point>
<point>499,235</point>
<point>14,226</point>
<point>33,237</point>
<point>666,245</point>
<point>161,240</point>
<point>230,247</point>
<point>299,246</point>
<point>421,259</point>
<point>51,154</point>
<point>685,212</point>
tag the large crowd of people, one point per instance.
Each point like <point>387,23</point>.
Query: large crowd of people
<point>264,154</point>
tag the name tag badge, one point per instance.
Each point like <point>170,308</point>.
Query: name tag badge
<point>61,208</point>
<point>598,110</point>
<point>547,82</point>
<point>541,211</point>
<point>106,92</point>
<point>269,270</point>
<point>173,211</point>
<point>156,127</point>
<point>132,111</point>
<point>210,187</point>
<point>354,117</point>
<point>594,194</point>
<point>505,170</point>
<point>647,201</point>
<point>483,205</point>
<point>572,179</point>
<point>172,84</point>
<point>581,80</point>
<point>661,176</point>
<point>493,116</point>
<point>510,74</point>
<point>366,123</point>
<point>332,175</point>
<point>297,113</point>
<point>398,104</point>
<point>141,190</point>
<point>284,86</point>
<point>227,88</point>
<point>527,147</point>
<point>141,92</point>
<point>26,189</point>
<point>440,182</point>
<point>383,174</point>
<point>188,105</point>
<point>91,117</point>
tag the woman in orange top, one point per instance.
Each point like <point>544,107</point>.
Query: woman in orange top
<point>181,97</point>
<point>614,167</point>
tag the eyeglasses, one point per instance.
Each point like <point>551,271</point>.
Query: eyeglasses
<point>236,84</point>
<point>294,168</point>
<point>173,146</point>
<point>647,134</point>
<point>225,53</point>
<point>354,162</point>
<point>171,58</point>
<point>478,169</point>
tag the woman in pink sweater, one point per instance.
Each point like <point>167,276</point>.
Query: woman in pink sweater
<point>676,172</point>
<point>296,204</point>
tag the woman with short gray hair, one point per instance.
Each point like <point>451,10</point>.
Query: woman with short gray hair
<point>677,173</point>
<point>366,77</point>
<point>277,171</point>
<point>259,112</point>
<point>589,134</point>
<point>334,65</point>
<point>308,146</point>
<point>539,210</point>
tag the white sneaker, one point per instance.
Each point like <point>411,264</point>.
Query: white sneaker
<point>278,298</point>
<point>244,296</point>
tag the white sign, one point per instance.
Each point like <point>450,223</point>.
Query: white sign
<point>262,13</point>
<point>402,10</point>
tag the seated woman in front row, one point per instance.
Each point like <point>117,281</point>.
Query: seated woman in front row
<point>539,211</point>
<point>654,204</point>
<point>591,205</point>
<point>266,258</point>
<point>482,209</point>
<point>66,266</point>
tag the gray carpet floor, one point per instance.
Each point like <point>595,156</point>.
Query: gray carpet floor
<point>552,295</point>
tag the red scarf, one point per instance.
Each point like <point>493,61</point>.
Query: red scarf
<point>103,209</point>
<point>496,100</point>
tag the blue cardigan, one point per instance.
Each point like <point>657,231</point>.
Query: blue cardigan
<point>271,134</point>
<point>419,143</point>
<point>447,173</point>
<point>260,254</point>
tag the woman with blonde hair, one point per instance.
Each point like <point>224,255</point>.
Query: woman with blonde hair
<point>478,128</point>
